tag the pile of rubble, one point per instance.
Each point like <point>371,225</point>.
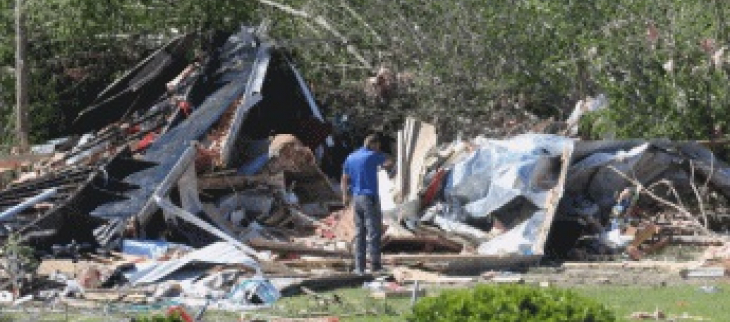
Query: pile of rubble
<point>201,180</point>
<point>183,163</point>
<point>538,194</point>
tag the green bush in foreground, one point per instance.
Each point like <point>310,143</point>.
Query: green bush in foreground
<point>510,303</point>
<point>160,318</point>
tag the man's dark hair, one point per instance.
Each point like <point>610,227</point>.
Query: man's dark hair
<point>371,139</point>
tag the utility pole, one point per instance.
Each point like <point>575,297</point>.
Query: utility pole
<point>21,79</point>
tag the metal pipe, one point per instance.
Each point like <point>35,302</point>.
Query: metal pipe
<point>414,294</point>
<point>11,212</point>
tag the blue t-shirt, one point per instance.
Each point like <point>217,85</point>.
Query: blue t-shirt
<point>362,168</point>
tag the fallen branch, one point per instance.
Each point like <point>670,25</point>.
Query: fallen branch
<point>671,188</point>
<point>697,194</point>
<point>640,188</point>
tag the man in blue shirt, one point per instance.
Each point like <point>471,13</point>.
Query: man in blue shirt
<point>360,182</point>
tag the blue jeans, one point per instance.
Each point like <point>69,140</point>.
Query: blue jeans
<point>369,226</point>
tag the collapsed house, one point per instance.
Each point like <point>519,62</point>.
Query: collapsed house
<point>240,116</point>
<point>182,153</point>
<point>229,102</point>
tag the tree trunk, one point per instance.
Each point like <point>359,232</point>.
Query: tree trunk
<point>21,79</point>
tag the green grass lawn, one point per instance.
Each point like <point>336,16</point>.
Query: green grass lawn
<point>356,305</point>
<point>624,300</point>
<point>672,300</point>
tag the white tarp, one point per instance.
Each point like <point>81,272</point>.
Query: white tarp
<point>513,180</point>
<point>514,176</point>
<point>518,241</point>
<point>499,171</point>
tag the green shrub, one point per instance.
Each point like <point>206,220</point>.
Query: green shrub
<point>160,318</point>
<point>510,303</point>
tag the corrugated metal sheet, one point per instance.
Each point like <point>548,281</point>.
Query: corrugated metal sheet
<point>217,253</point>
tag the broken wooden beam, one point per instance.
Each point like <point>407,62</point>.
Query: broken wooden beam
<point>450,257</point>
<point>422,243</point>
<point>240,181</point>
<point>509,279</point>
<point>462,264</point>
<point>317,263</point>
<point>386,294</point>
<point>408,275</point>
<point>653,265</point>
<point>323,283</point>
<point>704,272</point>
<point>261,244</point>
<point>14,161</point>
<point>698,240</point>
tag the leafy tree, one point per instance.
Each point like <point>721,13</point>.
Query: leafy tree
<point>495,68</point>
<point>77,47</point>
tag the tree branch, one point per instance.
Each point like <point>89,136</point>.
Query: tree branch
<point>641,188</point>
<point>697,193</point>
<point>324,24</point>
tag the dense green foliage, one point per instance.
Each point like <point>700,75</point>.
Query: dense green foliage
<point>509,61</point>
<point>473,65</point>
<point>77,47</point>
<point>510,303</point>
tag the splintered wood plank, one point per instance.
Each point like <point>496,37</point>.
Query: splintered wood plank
<point>698,240</point>
<point>412,128</point>
<point>426,138</point>
<point>262,244</point>
<point>67,267</point>
<point>241,181</point>
<point>317,263</point>
<point>644,234</point>
<point>396,293</point>
<point>14,161</point>
<point>276,268</point>
<point>554,196</point>
<point>423,243</point>
<point>408,137</point>
<point>647,265</point>
<point>403,274</point>
<point>450,257</point>
<point>400,166</point>
<point>461,264</point>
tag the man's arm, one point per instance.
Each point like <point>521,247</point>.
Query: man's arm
<point>345,186</point>
<point>387,162</point>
